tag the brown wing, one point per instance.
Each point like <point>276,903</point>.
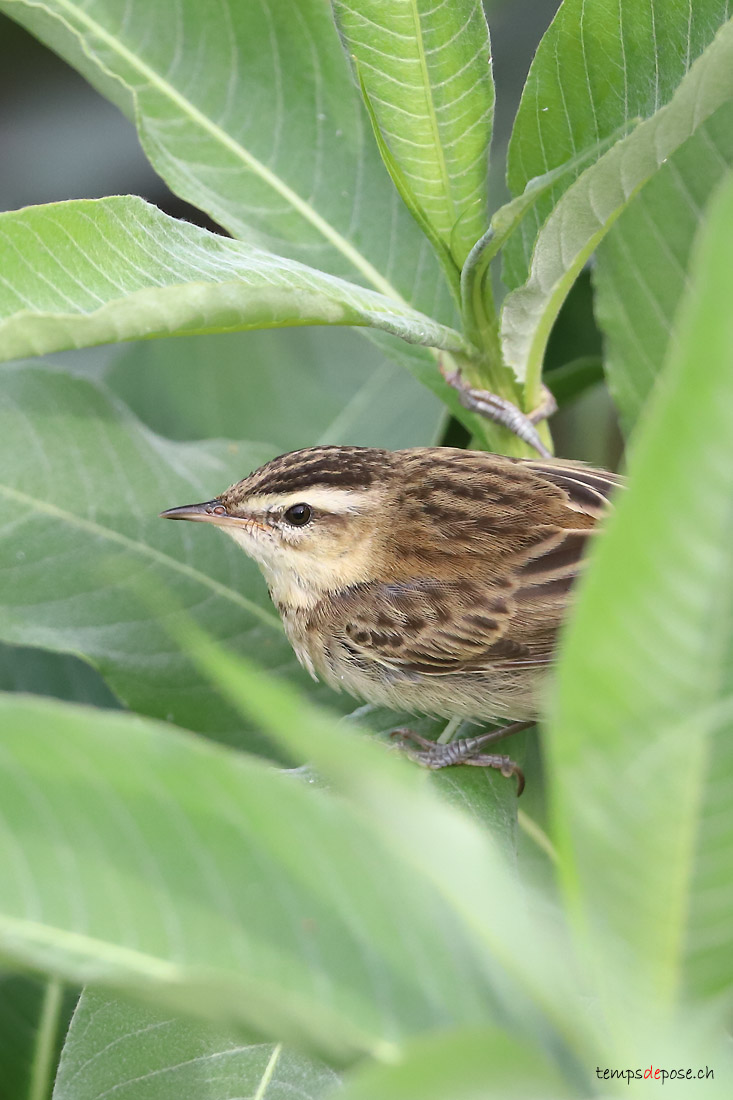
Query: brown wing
<point>495,607</point>
<point>588,489</point>
<point>425,626</point>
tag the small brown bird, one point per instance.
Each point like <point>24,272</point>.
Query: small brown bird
<point>431,580</point>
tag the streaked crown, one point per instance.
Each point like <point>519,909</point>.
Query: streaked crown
<point>332,467</point>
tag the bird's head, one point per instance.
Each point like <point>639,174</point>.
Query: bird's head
<point>312,519</point>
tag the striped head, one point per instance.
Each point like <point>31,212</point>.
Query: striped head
<point>311,519</point>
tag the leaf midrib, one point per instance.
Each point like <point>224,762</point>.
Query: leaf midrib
<point>432,117</point>
<point>147,551</point>
<point>160,972</point>
<point>128,959</point>
<point>187,108</point>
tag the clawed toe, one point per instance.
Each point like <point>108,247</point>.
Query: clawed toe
<point>406,734</point>
<point>434,755</point>
<point>504,764</point>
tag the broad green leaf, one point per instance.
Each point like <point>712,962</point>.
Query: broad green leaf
<point>426,69</point>
<point>640,746</point>
<point>160,864</point>
<point>95,271</point>
<point>248,110</point>
<point>641,269</point>
<point>34,1017</point>
<point>588,209</point>
<point>307,386</point>
<point>58,674</point>
<point>598,66</point>
<point>508,218</point>
<point>465,1065</point>
<point>529,961</point>
<point>122,1048</point>
<point>82,547</point>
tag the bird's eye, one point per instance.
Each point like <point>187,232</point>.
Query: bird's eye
<point>298,515</point>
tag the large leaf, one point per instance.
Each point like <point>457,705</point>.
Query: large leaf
<point>249,111</point>
<point>308,386</point>
<point>81,487</point>
<point>162,864</point>
<point>120,1047</point>
<point>641,269</point>
<point>640,748</point>
<point>529,961</point>
<point>58,674</point>
<point>465,1065</point>
<point>598,66</point>
<point>427,73</point>
<point>94,271</point>
<point>588,209</point>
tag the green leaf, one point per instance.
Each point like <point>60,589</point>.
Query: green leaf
<point>598,66</point>
<point>119,1047</point>
<point>307,386</point>
<point>165,866</point>
<point>427,72</point>
<point>57,674</point>
<point>642,267</point>
<point>93,271</point>
<point>466,863</point>
<point>506,220</point>
<point>310,386</point>
<point>588,209</point>
<point>640,752</point>
<point>34,1016</point>
<point>250,112</point>
<point>82,547</point>
<point>404,190</point>
<point>466,1065</point>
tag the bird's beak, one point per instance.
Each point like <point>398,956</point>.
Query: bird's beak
<point>211,511</point>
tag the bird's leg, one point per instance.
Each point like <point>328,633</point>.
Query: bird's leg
<point>465,750</point>
<point>503,412</point>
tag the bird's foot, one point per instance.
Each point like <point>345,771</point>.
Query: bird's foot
<point>464,750</point>
<point>501,411</point>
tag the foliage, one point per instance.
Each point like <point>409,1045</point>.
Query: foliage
<point>357,928</point>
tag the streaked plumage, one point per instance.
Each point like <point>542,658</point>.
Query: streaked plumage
<point>432,580</point>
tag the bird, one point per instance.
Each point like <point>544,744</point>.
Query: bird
<point>431,580</point>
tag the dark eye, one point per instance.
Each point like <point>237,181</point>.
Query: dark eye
<point>298,514</point>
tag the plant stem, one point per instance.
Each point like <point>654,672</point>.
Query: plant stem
<point>487,369</point>
<point>43,1067</point>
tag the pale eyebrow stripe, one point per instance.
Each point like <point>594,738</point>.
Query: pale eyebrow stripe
<point>327,500</point>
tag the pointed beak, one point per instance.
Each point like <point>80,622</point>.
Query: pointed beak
<point>214,512</point>
<point>211,511</point>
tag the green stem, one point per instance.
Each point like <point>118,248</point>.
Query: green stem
<point>43,1069</point>
<point>477,308</point>
<point>487,370</point>
<point>449,732</point>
